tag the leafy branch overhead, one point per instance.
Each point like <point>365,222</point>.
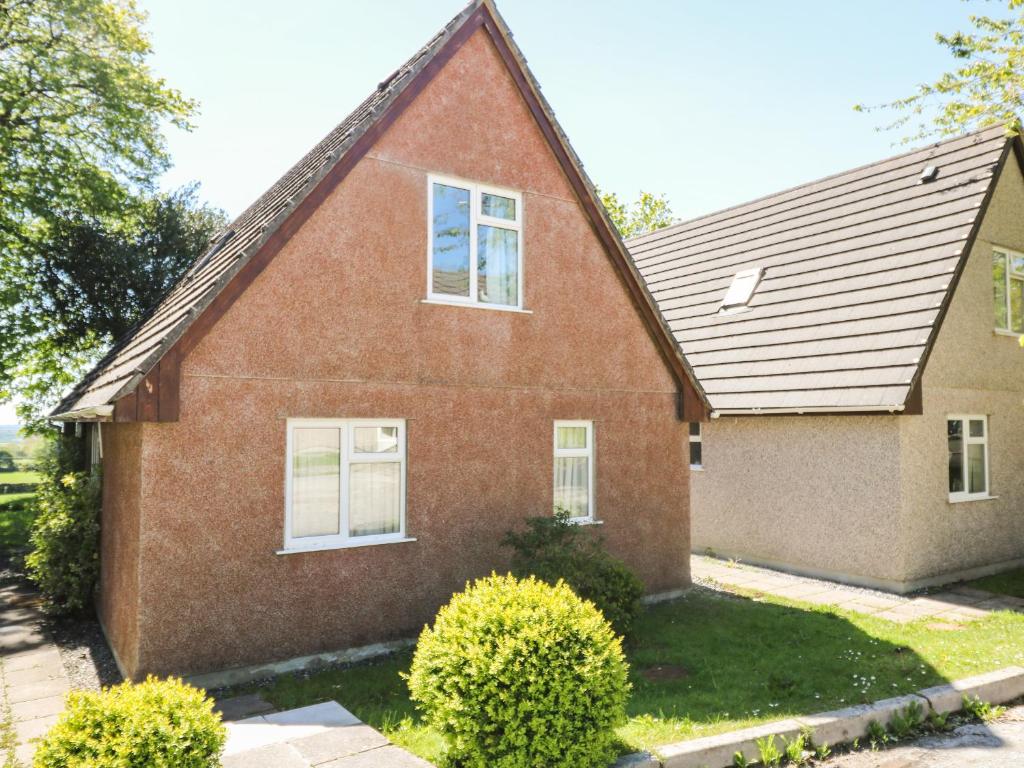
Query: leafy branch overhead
<point>645,214</point>
<point>985,88</point>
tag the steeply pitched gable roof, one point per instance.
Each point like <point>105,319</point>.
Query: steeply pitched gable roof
<point>137,362</point>
<point>858,271</point>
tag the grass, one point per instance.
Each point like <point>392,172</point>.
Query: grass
<point>709,663</point>
<point>21,477</point>
<point>15,522</point>
<point>1009,583</point>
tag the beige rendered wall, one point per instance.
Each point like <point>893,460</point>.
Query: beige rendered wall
<point>972,370</point>
<point>335,327</point>
<point>814,494</point>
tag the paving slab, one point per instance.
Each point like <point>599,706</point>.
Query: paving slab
<point>29,710</point>
<point>281,755</point>
<point>26,730</point>
<point>38,690</point>
<point>339,742</point>
<point>384,757</point>
<point>47,655</point>
<point>240,707</point>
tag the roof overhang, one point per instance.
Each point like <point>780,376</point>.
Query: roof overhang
<point>853,409</point>
<point>95,413</point>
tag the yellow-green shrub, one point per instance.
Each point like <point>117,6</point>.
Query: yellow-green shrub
<point>521,674</point>
<point>154,724</point>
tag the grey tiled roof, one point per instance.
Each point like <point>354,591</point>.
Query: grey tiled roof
<point>134,355</point>
<point>857,269</point>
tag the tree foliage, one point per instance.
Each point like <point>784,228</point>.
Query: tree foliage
<point>986,87</point>
<point>645,214</point>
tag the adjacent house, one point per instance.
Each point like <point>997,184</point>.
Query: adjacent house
<point>423,333</point>
<point>857,341</point>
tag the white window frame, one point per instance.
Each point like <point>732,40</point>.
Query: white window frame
<point>698,438</point>
<point>348,457</point>
<point>741,290</point>
<point>589,452</point>
<point>965,420</point>
<point>476,192</point>
<point>1008,275</point>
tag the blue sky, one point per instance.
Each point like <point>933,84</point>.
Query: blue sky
<point>710,102</point>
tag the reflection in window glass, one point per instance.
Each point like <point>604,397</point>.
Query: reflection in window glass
<point>374,498</point>
<point>375,439</point>
<point>497,207</point>
<point>976,468</point>
<point>1017,305</point>
<point>451,240</point>
<point>956,456</point>
<point>316,466</point>
<point>498,273</point>
<point>572,437</point>
<point>999,288</point>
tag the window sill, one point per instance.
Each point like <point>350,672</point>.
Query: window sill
<point>585,521</point>
<point>1004,332</point>
<point>477,305</point>
<point>346,545</point>
<point>972,498</point>
<point>696,467</point>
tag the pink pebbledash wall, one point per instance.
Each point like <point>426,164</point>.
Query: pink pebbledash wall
<point>335,327</point>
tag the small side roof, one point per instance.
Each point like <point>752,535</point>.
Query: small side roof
<point>267,222</point>
<point>859,269</point>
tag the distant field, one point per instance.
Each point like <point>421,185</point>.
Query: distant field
<point>19,478</point>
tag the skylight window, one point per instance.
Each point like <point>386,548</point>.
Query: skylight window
<point>742,289</point>
<point>930,173</point>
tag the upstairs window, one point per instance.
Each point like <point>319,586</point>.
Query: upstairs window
<point>1008,290</point>
<point>968,457</point>
<point>741,290</point>
<point>475,244</point>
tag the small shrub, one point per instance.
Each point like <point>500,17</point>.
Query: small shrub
<point>739,760</point>
<point>822,751</point>
<point>64,561</point>
<point>160,723</point>
<point>552,549</point>
<point>795,749</point>
<point>939,721</point>
<point>877,734</point>
<point>521,674</point>
<point>982,710</point>
<point>770,754</point>
<point>906,721</point>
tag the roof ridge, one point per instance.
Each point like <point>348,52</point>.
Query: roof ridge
<point>839,174</point>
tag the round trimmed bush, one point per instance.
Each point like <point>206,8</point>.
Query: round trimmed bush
<point>521,674</point>
<point>157,724</point>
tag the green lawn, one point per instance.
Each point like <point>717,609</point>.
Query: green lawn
<point>24,477</point>
<point>15,521</point>
<point>708,663</point>
<point>1009,583</point>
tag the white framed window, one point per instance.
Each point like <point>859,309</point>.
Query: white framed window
<point>696,446</point>
<point>967,437</point>
<point>1008,290</point>
<point>345,483</point>
<point>474,244</point>
<point>574,469</point>
<point>741,289</point>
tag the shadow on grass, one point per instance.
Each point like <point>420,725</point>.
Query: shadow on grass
<point>706,663</point>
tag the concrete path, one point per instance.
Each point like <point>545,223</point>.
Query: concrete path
<point>998,744</point>
<point>33,677</point>
<point>954,606</point>
<point>323,735</point>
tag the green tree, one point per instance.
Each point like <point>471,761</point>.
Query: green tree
<point>985,87</point>
<point>85,281</point>
<point>645,214</point>
<point>80,223</point>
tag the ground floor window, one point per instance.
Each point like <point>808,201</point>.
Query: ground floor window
<point>345,482</point>
<point>696,446</point>
<point>574,468</point>
<point>968,457</point>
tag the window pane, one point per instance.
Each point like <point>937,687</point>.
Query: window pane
<point>1016,305</point>
<point>572,437</point>
<point>999,288</point>
<point>451,240</point>
<point>497,206</point>
<point>316,466</point>
<point>1017,264</point>
<point>695,454</point>
<point>374,498</point>
<point>956,456</point>
<point>695,428</point>
<point>375,440</point>
<point>498,273</point>
<point>572,489</point>
<point>976,468</point>
<point>977,428</point>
